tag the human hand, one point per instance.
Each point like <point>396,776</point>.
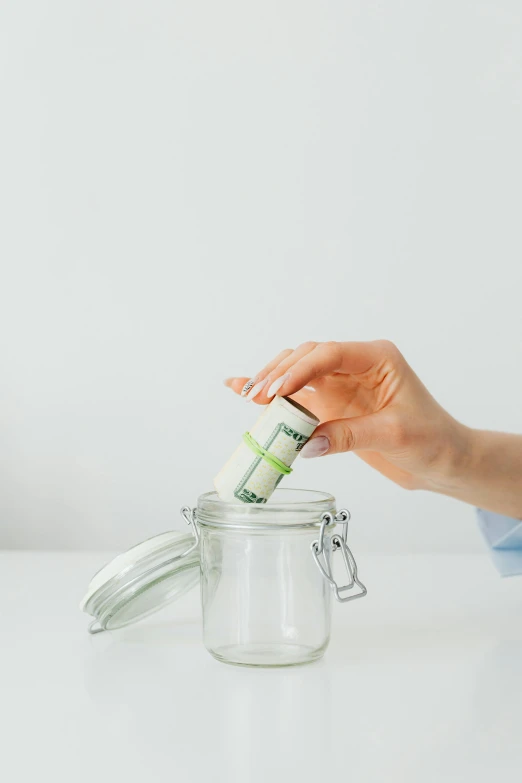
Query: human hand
<point>369,401</point>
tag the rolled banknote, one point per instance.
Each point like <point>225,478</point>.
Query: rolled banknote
<point>264,456</point>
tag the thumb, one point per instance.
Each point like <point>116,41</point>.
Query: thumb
<point>332,437</point>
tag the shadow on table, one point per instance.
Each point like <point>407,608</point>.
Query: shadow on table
<point>175,700</point>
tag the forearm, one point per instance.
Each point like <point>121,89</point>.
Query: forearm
<point>488,472</point>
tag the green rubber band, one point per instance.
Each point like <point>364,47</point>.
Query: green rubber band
<point>273,461</point>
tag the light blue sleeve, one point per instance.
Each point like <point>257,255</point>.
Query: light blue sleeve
<point>504,539</point>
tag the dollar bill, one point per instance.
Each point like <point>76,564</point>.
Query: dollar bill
<point>282,429</point>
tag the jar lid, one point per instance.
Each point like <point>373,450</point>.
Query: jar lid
<point>142,580</point>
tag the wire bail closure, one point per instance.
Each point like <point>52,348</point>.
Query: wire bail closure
<point>189,515</point>
<point>324,562</point>
<point>319,553</point>
<point>322,552</point>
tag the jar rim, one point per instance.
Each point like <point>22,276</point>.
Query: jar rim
<point>285,508</point>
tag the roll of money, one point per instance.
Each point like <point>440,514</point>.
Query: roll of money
<point>264,457</point>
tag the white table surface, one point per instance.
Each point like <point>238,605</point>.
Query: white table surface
<point>422,682</point>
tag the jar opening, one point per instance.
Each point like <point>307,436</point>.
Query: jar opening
<point>285,508</point>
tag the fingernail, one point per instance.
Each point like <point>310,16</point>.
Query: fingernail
<point>248,385</point>
<point>228,382</point>
<point>255,391</point>
<point>277,384</point>
<point>315,447</point>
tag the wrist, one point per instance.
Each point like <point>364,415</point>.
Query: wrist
<point>458,454</point>
<point>484,469</point>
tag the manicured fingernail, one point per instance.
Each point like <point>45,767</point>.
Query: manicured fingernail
<point>228,382</point>
<point>248,385</point>
<point>255,391</point>
<point>315,447</point>
<point>277,384</point>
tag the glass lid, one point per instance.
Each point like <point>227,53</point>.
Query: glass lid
<point>142,580</point>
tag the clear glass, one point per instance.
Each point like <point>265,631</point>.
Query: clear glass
<point>265,602</point>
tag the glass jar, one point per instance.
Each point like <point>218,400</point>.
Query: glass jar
<point>265,572</point>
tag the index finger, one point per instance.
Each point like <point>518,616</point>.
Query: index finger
<point>350,358</point>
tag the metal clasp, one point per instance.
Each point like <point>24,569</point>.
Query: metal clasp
<point>338,542</point>
<point>189,515</point>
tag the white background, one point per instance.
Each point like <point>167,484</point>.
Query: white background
<point>188,187</point>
